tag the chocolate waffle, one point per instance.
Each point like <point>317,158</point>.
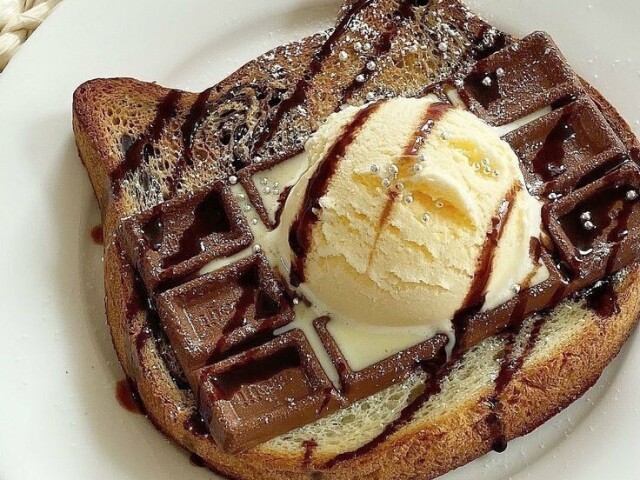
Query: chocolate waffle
<point>208,328</point>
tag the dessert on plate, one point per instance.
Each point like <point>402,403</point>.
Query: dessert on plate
<point>378,252</point>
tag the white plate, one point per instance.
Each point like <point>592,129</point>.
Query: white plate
<point>58,415</point>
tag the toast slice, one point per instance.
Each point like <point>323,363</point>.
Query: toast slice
<point>242,120</point>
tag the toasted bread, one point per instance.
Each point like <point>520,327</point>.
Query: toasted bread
<point>568,347</point>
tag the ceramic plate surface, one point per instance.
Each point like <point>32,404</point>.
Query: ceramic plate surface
<point>58,415</point>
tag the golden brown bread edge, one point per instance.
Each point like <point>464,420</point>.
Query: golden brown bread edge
<point>422,449</point>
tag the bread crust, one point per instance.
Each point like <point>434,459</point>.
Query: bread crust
<point>423,449</point>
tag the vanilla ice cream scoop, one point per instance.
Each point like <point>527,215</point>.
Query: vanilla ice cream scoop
<point>410,211</point>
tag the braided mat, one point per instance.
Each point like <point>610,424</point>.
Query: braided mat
<point>18,19</point>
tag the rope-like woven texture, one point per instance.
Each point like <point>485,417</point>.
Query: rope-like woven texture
<point>18,19</point>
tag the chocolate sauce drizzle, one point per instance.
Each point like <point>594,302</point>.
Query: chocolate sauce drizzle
<point>548,161</point>
<point>198,112</point>
<point>309,447</point>
<point>97,234</point>
<point>433,385</point>
<point>142,148</point>
<point>315,66</point>
<point>602,299</point>
<point>434,112</point>
<point>382,47</point>
<point>210,217</point>
<point>300,232</point>
<point>477,291</point>
<point>509,365</point>
<point>128,397</point>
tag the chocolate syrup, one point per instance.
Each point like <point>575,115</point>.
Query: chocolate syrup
<point>282,200</point>
<point>198,112</point>
<point>196,425</point>
<point>97,234</point>
<point>484,45</point>
<point>381,48</point>
<point>128,397</point>
<point>485,91</point>
<point>603,170</point>
<point>437,372</point>
<point>142,148</point>
<point>602,299</point>
<point>139,300</point>
<point>309,447</point>
<point>509,366</point>
<point>249,284</point>
<point>300,232</point>
<point>298,95</point>
<point>197,461</point>
<point>434,112</point>
<point>253,372</point>
<point>476,296</point>
<point>609,208</point>
<point>563,101</point>
<point>548,162</point>
<point>153,229</point>
<point>210,217</point>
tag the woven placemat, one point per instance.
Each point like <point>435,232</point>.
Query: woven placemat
<point>18,20</point>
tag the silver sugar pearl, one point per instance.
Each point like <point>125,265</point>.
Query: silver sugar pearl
<point>486,81</point>
<point>500,72</point>
<point>247,207</point>
<point>371,65</point>
<point>254,221</point>
<point>360,78</point>
<point>276,184</point>
<point>589,225</point>
<point>400,186</point>
<point>241,196</point>
<point>393,169</point>
<point>584,216</point>
<point>366,47</point>
<point>264,181</point>
<point>233,179</point>
<point>422,157</point>
<point>375,168</point>
<point>276,191</point>
<point>386,183</point>
<point>631,195</point>
<point>458,82</point>
<point>357,47</point>
<point>343,56</point>
<point>296,301</point>
<point>426,217</point>
<point>266,190</point>
<point>443,47</point>
<point>416,168</point>
<point>257,248</point>
<point>444,136</point>
<point>371,96</point>
<point>408,199</point>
